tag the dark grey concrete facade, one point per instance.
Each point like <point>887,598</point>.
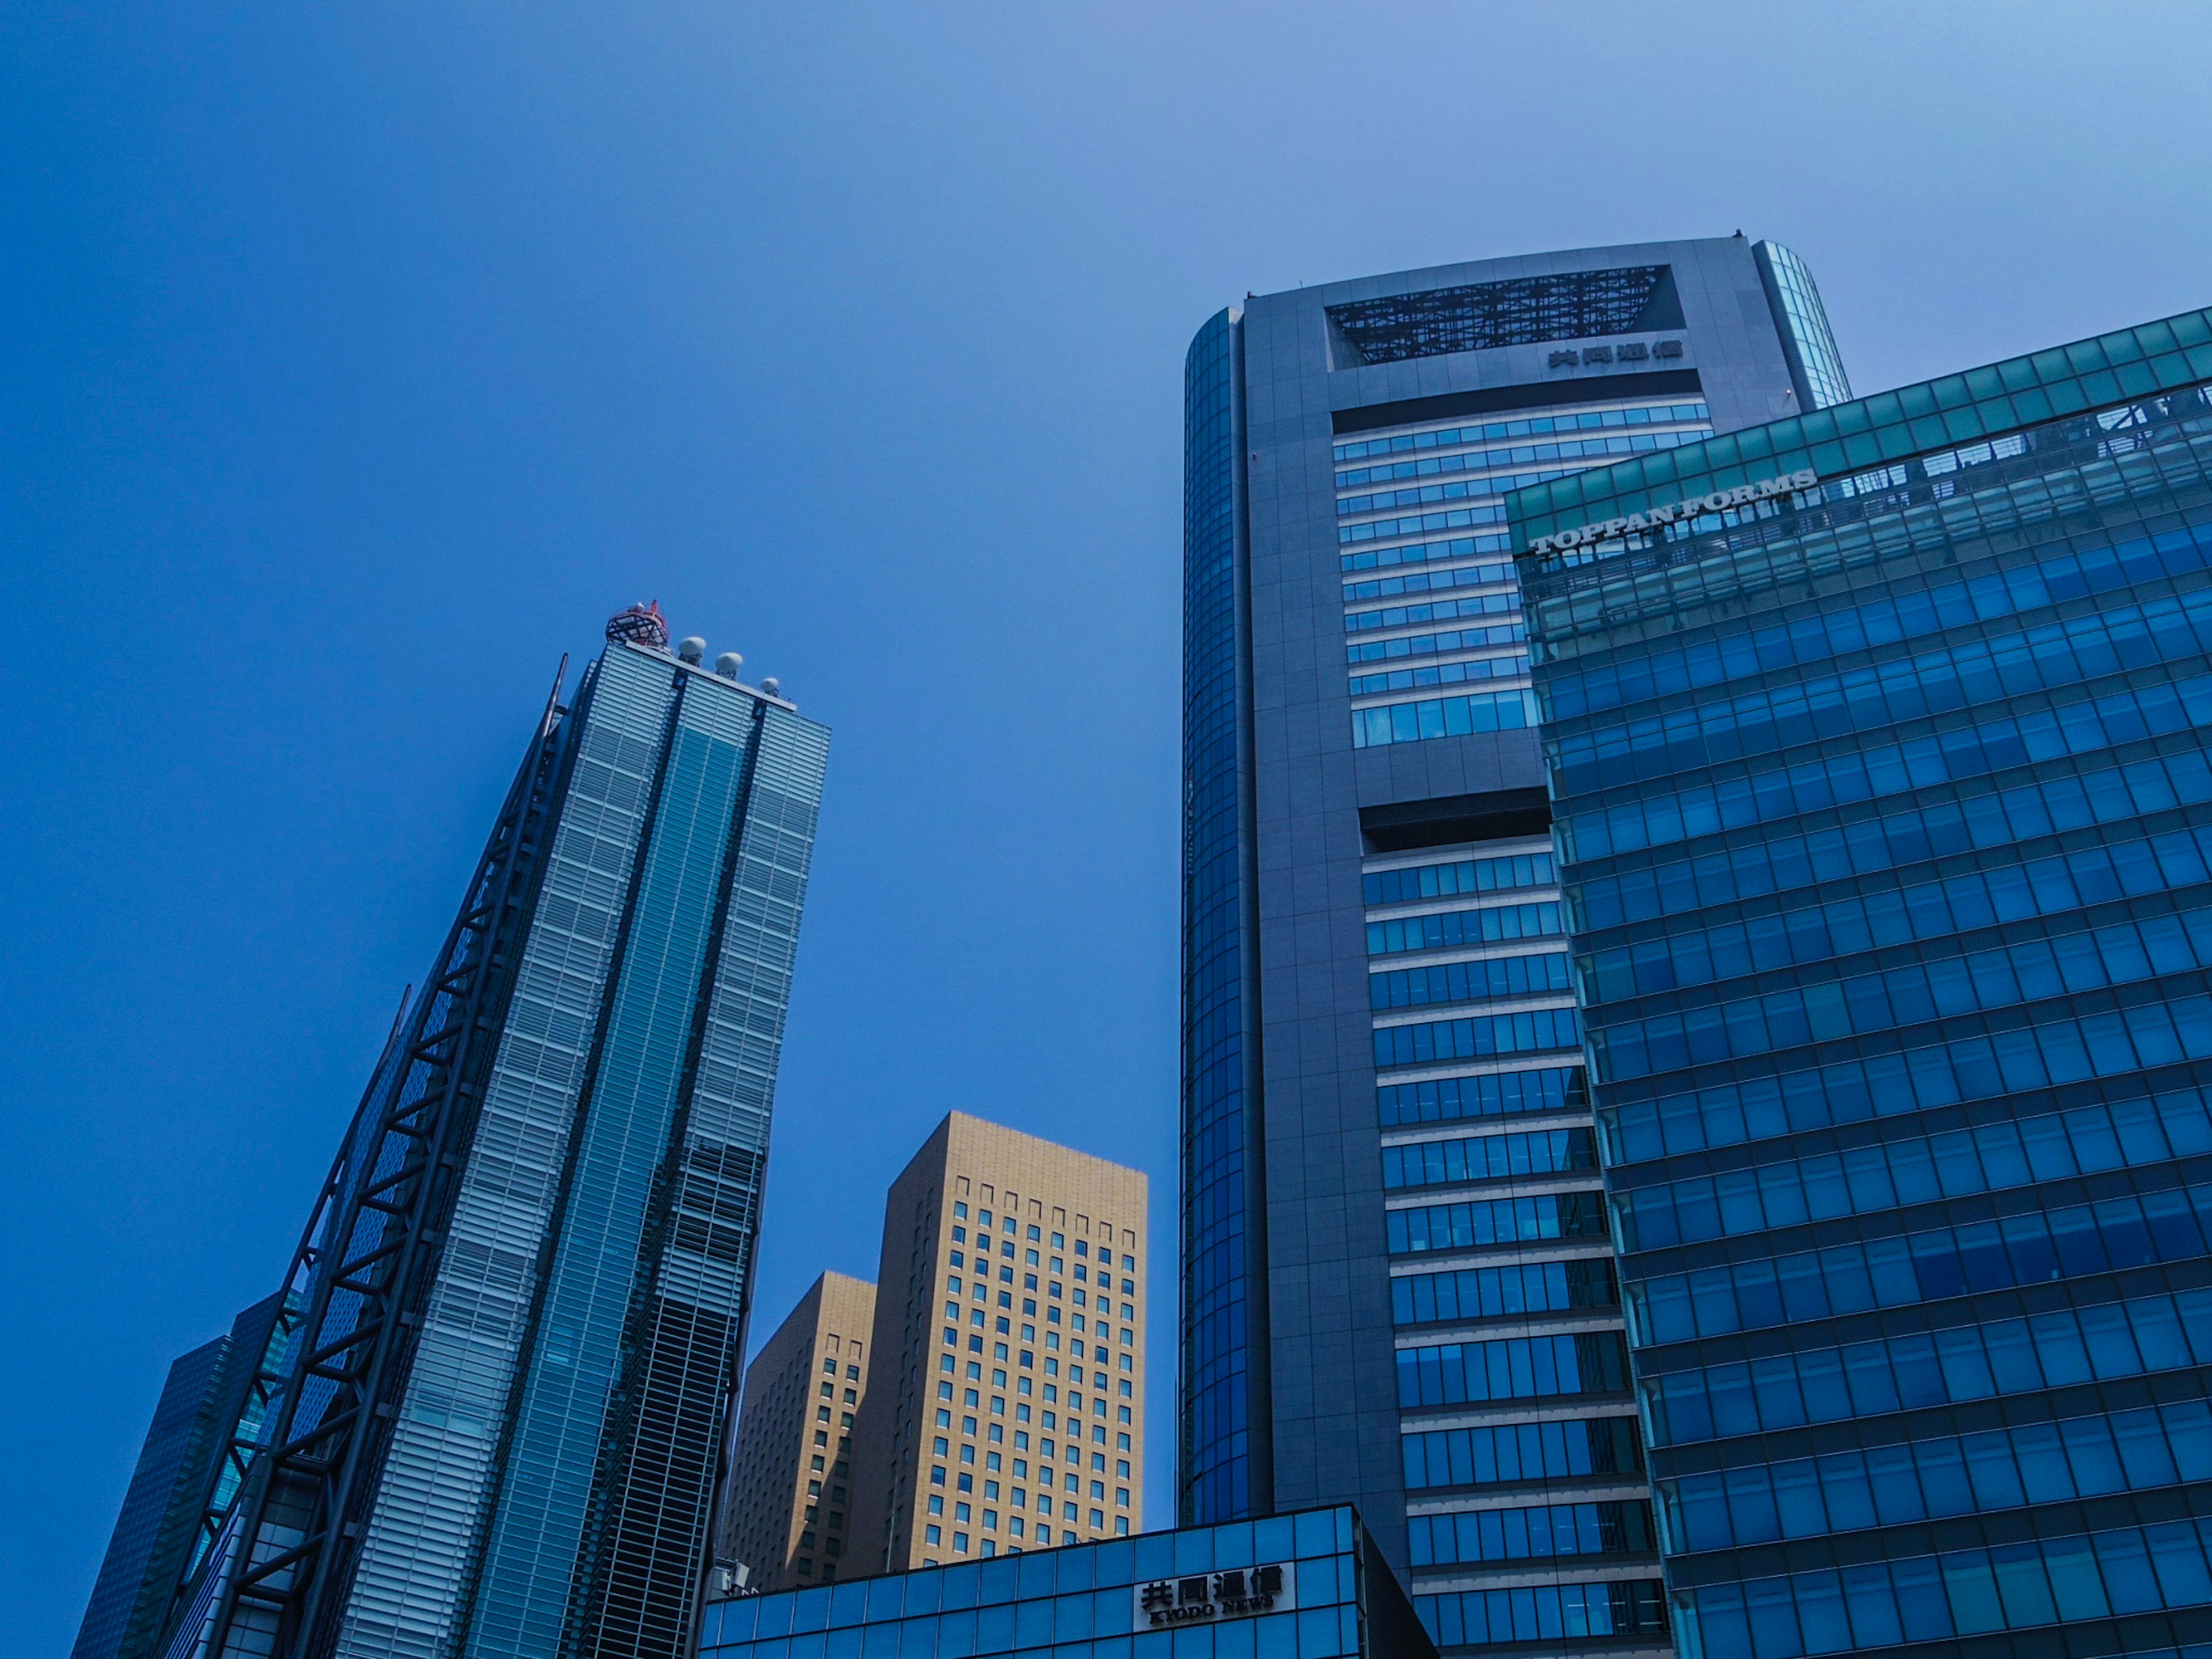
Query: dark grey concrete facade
<point>1321,1262</point>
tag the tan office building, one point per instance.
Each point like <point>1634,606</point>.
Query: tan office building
<point>1009,1409</point>
<point>789,1518</point>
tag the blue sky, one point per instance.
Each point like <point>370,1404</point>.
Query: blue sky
<point>356,362</point>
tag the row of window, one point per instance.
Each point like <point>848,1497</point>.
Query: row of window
<point>1472,1225</point>
<point>1848,775</point>
<point>1915,1169</point>
<point>1781,860</point>
<point>1961,674</point>
<point>1478,1038</point>
<point>1508,1453</point>
<point>1545,1612</point>
<point>932,1532</point>
<point>1059,1263</point>
<point>1449,673</point>
<point>1475,981</point>
<point>2062,1049</point>
<point>1952,1475</point>
<point>1443,717</point>
<point>1455,547</point>
<point>1429,881</point>
<point>2038,1582</point>
<point>1996,743</point>
<point>2034,970</point>
<point>1497,1094</point>
<point>1450,929</point>
<point>1591,421</point>
<point>1518,1288</point>
<point>1979,1361</point>
<point>1405,616</point>
<point>975,1317</point>
<point>1432,645</point>
<point>1934,909</point>
<point>1535,1533</point>
<point>1877,620</point>
<point>1886,1084</point>
<point>1488,1157</point>
<point>2042,1245</point>
<point>1018,1498</point>
<point>1058,1291</point>
<point>1482,460</point>
<point>1431,581</point>
<point>1465,518</point>
<point>1515,1368</point>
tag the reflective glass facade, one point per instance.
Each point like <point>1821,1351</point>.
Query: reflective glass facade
<point>1814,363</point>
<point>1223,1393</point>
<point>533,1473</point>
<point>1334,1600</point>
<point>155,1533</point>
<point>1882,800</point>
<point>1434,1322</point>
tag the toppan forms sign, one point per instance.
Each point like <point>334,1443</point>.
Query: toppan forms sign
<point>1652,517</point>
<point>1238,1593</point>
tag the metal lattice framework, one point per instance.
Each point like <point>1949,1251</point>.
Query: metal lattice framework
<point>281,1525</point>
<point>1576,305</point>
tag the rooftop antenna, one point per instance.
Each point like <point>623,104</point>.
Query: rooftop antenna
<point>640,624</point>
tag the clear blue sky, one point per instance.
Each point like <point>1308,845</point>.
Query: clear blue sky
<point>358,361</point>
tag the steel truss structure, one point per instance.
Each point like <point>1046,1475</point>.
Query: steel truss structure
<point>1575,305</point>
<point>282,1521</point>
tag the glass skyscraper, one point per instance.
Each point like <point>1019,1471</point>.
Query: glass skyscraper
<point>201,1399</point>
<point>1877,741</point>
<point>1399,1286</point>
<point>492,1423</point>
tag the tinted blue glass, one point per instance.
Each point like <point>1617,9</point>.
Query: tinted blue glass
<point>1898,881</point>
<point>1219,1414</point>
<point>1035,1603</point>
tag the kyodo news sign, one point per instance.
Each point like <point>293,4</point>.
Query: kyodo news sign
<point>1652,518</point>
<point>1239,1593</point>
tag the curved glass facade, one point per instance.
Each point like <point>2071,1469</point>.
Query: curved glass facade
<point>1795,299</point>
<point>1216,1466</point>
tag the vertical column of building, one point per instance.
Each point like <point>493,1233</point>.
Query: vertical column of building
<point>658,1450</point>
<point>1879,742</point>
<point>1445,1338</point>
<point>1224,1417</point>
<point>791,1519</point>
<point>1016,1419</point>
<point>609,1353</point>
<point>1523,1466</point>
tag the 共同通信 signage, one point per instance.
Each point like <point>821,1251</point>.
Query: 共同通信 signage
<point>1234,1593</point>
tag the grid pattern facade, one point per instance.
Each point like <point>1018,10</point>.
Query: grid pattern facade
<point>1575,305</point>
<point>1082,1603</point>
<point>789,1515</point>
<point>557,1407</point>
<point>1010,1310</point>
<point>1458,622</point>
<point>1900,1031</point>
<point>1444,1340</point>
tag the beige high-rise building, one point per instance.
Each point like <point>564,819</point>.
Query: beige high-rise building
<point>788,1517</point>
<point>1009,1409</point>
